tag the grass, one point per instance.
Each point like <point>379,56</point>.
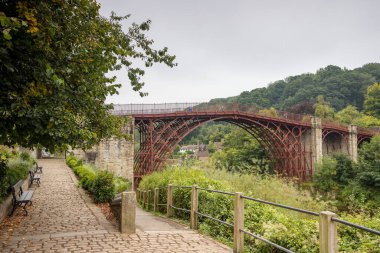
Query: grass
<point>266,187</point>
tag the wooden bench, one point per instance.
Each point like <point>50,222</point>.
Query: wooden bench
<point>34,178</point>
<point>37,169</point>
<point>20,197</point>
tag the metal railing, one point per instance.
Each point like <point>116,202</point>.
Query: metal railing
<point>327,220</point>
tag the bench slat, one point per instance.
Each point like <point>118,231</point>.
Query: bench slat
<point>26,196</point>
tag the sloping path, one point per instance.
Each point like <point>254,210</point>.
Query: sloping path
<point>64,219</point>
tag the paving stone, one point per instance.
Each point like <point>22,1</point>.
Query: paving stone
<point>64,219</point>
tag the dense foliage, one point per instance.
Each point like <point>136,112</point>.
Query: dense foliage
<point>372,100</point>
<point>299,234</point>
<point>55,59</point>
<point>241,153</point>
<point>14,166</point>
<point>103,185</point>
<point>340,87</point>
<point>352,187</point>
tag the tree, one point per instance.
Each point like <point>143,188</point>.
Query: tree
<point>369,164</point>
<point>339,86</point>
<point>241,153</point>
<point>372,100</point>
<point>270,112</point>
<point>55,56</point>
<point>348,115</point>
<point>323,109</point>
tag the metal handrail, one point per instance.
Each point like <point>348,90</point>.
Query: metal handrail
<point>266,241</point>
<point>181,209</point>
<point>370,230</point>
<point>215,219</point>
<point>180,186</point>
<point>217,191</point>
<point>280,205</point>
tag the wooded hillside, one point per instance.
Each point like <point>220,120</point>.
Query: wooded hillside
<point>339,86</point>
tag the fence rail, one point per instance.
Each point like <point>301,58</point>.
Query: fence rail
<point>327,220</point>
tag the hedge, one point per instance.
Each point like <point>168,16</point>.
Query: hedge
<point>103,185</point>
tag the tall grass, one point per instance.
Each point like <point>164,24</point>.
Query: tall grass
<point>266,187</point>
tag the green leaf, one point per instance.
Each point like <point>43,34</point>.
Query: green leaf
<point>6,34</point>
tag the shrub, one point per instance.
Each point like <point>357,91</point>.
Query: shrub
<point>17,169</point>
<point>3,176</point>
<point>101,184</point>
<point>72,161</point>
<point>121,184</point>
<point>13,167</point>
<point>26,157</point>
<point>103,187</point>
<point>87,176</point>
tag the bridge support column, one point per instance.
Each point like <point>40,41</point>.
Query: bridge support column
<point>353,142</point>
<point>316,140</point>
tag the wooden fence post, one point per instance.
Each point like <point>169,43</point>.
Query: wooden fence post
<point>155,204</point>
<point>194,207</point>
<point>143,199</point>
<point>169,201</point>
<point>327,233</point>
<point>128,213</point>
<point>238,223</point>
<point>149,199</point>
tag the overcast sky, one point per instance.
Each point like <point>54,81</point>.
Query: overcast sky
<point>226,47</point>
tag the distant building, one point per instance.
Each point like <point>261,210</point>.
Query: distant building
<point>192,148</point>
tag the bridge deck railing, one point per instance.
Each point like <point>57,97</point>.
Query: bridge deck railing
<point>328,238</point>
<point>139,109</point>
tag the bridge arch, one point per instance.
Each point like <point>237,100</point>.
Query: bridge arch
<point>282,139</point>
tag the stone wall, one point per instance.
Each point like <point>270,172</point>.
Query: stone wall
<point>114,154</point>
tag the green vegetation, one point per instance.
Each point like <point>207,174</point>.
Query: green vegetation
<point>295,231</point>
<point>340,88</point>
<point>352,187</point>
<point>103,185</point>
<point>56,57</point>
<point>14,166</point>
<point>372,100</point>
<point>208,133</point>
<point>241,153</point>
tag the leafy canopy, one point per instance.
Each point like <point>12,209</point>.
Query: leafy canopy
<point>55,60</point>
<point>372,100</point>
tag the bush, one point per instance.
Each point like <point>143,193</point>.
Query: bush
<point>4,186</point>
<point>103,187</point>
<point>17,169</point>
<point>72,161</point>
<point>101,184</point>
<point>87,176</point>
<point>121,184</point>
<point>13,167</point>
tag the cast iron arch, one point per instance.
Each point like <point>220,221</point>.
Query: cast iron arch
<point>159,135</point>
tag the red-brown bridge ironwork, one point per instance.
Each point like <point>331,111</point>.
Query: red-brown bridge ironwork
<point>283,135</point>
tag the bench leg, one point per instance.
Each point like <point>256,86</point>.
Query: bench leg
<point>13,209</point>
<point>38,182</point>
<point>26,211</point>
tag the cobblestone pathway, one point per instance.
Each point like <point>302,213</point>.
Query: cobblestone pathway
<point>64,219</point>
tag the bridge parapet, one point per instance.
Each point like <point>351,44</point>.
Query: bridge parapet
<point>201,107</point>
